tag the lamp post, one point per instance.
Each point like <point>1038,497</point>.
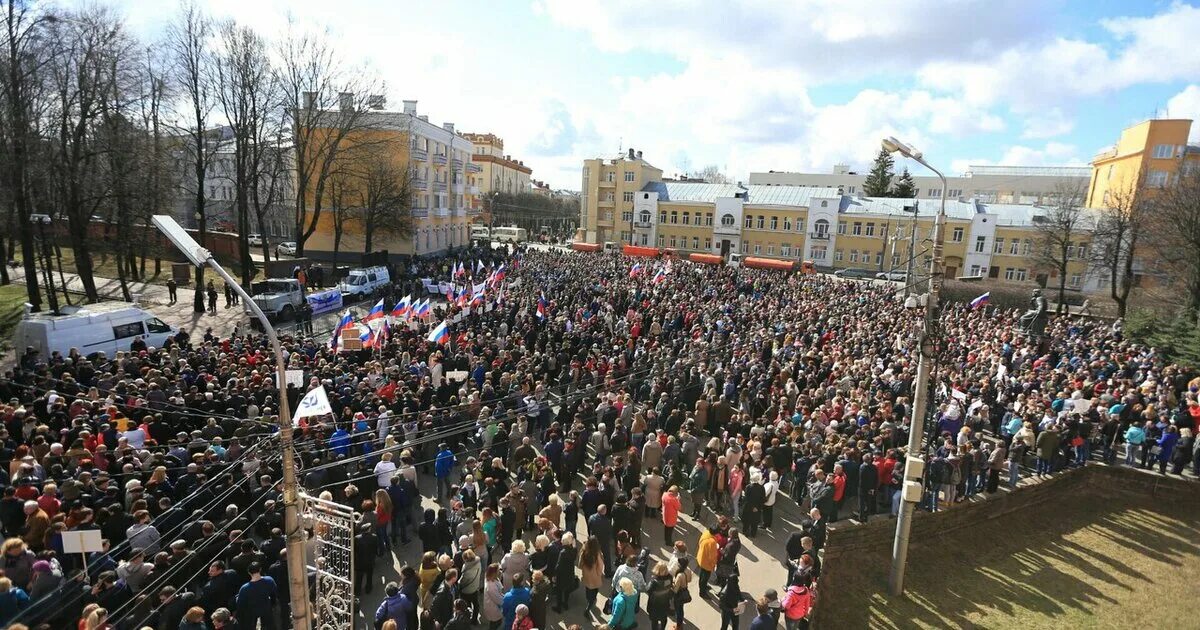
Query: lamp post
<point>915,465</point>
<point>42,220</point>
<point>297,575</point>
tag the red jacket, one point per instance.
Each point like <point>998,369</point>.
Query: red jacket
<point>839,486</point>
<point>670,510</point>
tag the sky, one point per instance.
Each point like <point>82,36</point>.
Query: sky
<point>756,85</point>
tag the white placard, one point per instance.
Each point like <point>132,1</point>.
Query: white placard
<point>455,376</point>
<point>294,377</point>
<point>82,541</point>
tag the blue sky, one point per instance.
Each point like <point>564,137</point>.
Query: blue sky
<point>764,84</point>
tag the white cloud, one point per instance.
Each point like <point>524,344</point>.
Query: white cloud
<point>1050,123</point>
<point>1186,104</point>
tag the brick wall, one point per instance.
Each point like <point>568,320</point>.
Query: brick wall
<point>852,547</point>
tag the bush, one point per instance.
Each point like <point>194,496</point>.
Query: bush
<point>1177,338</point>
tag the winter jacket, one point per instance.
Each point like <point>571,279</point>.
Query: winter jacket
<point>796,603</point>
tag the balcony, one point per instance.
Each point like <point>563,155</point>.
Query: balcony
<point>441,212</point>
<point>472,211</point>
<point>474,168</point>
<point>439,159</point>
<point>420,184</point>
<point>459,189</point>
<point>439,186</point>
<point>420,213</point>
<point>642,224</point>
<point>819,236</point>
<point>472,190</point>
<point>458,164</point>
<point>607,203</point>
<point>419,155</point>
<point>460,211</point>
<point>608,183</point>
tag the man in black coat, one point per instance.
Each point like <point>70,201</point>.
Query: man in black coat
<point>868,483</point>
<point>600,526</point>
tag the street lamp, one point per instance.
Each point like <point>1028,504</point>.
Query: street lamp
<point>915,465</point>
<point>42,220</point>
<point>297,576</point>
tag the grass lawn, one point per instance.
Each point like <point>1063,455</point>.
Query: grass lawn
<point>1076,563</point>
<point>12,303</point>
<point>105,266</point>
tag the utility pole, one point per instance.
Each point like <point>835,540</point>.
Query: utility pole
<point>48,261</point>
<point>912,249</point>
<point>297,573</point>
<point>915,464</point>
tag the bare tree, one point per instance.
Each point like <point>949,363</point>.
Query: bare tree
<point>384,196</point>
<point>1057,233</point>
<point>1175,229</point>
<point>249,96</point>
<point>25,52</point>
<point>341,185</point>
<point>159,182</point>
<point>711,174</point>
<point>1117,240</point>
<point>327,102</point>
<point>189,40</point>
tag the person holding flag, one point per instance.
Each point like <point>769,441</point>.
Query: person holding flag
<point>402,308</point>
<point>345,322</point>
<point>376,312</point>
<point>660,275</point>
<point>421,310</point>
<point>635,270</point>
<point>439,335</point>
<point>981,301</point>
<point>542,307</point>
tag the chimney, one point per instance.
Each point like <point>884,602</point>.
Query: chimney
<point>410,108</point>
<point>310,100</point>
<point>448,127</point>
<point>631,153</point>
<point>639,155</point>
<point>376,101</point>
<point>346,101</point>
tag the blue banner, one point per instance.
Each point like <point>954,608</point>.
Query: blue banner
<point>325,301</point>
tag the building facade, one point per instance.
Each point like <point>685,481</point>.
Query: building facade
<point>1147,157</point>
<point>833,229</point>
<point>1029,185</point>
<point>494,170</point>
<point>438,163</point>
<point>607,196</point>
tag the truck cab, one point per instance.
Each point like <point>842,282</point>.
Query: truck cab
<point>279,298</point>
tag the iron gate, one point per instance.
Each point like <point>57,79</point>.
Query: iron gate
<point>332,563</point>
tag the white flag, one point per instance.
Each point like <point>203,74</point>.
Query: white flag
<point>314,403</point>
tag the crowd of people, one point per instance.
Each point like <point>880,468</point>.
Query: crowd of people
<point>593,429</point>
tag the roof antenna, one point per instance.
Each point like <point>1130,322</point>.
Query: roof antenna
<point>620,145</point>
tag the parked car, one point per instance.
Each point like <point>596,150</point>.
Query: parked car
<point>896,275</point>
<point>255,240</point>
<point>360,283</point>
<point>279,298</point>
<point>287,248</point>
<point>853,273</point>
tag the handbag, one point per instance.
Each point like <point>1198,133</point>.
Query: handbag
<point>607,609</point>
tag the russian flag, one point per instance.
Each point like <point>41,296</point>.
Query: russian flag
<point>367,337</point>
<point>478,266</point>
<point>458,270</point>
<point>477,293</point>
<point>637,268</point>
<point>439,335</point>
<point>342,324</point>
<point>422,308</point>
<point>498,275</point>
<point>981,300</point>
<point>375,313</point>
<point>659,276</point>
<point>402,308</point>
<point>541,306</point>
<point>385,331</point>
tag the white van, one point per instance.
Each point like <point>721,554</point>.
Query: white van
<point>610,247</point>
<point>480,233</point>
<point>363,282</point>
<point>104,327</point>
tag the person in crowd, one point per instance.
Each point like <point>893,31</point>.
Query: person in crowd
<point>624,606</point>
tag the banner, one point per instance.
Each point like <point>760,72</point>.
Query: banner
<point>315,403</point>
<point>325,301</point>
<point>429,285</point>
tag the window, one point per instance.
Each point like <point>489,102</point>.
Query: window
<point>785,250</point>
<point>749,221</point>
<point>870,229</point>
<point>610,176</point>
<point>899,231</point>
<point>1163,151</point>
<point>975,270</point>
<point>787,224</point>
<point>674,216</point>
<point>757,248</point>
<point>644,216</point>
<point>958,235</point>
<point>661,240</point>
<point>627,216</point>
<point>745,247</point>
<point>608,196</point>
<point>838,255</point>
<point>895,260</point>
<point>1010,273</point>
<point>1082,250</point>
<point>854,255</point>
<point>841,226</point>
<point>935,192</point>
<point>1020,275</point>
<point>123,331</point>
<point>954,192</point>
<point>1075,281</point>
<point>1026,249</point>
<point>687,218</point>
<point>850,189</point>
<point>878,259</point>
<point>762,219</point>
<point>156,325</point>
<point>1015,247</point>
<point>818,252</point>
<point>707,244</point>
<point>1157,179</point>
<point>645,239</point>
<point>998,246</point>
<point>708,219</point>
<point>695,242</point>
<point>774,223</point>
<point>822,227</point>
<point>727,220</point>
<point>628,196</point>
<point>662,216</point>
<point>980,244</point>
<point>672,240</point>
<point>628,176</point>
<point>857,231</point>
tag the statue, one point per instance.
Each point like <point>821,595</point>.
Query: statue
<point>1033,321</point>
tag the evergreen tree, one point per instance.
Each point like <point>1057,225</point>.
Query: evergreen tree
<point>879,180</point>
<point>905,187</point>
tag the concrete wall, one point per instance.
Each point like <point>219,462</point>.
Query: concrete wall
<point>850,548</point>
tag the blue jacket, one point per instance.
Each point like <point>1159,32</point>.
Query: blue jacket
<point>1166,446</point>
<point>444,463</point>
<point>1135,435</point>
<point>624,612</point>
<point>512,599</point>
<point>396,608</point>
<point>257,596</point>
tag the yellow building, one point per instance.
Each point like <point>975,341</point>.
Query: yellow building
<point>494,170</point>
<point>1148,156</point>
<point>824,225</point>
<point>437,161</point>
<point>606,200</point>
